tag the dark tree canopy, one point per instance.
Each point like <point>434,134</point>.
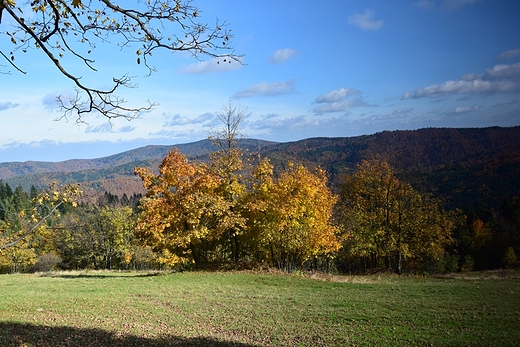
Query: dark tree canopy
<point>76,28</point>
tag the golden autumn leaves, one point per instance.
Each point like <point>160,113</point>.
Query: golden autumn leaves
<point>284,221</point>
<point>180,208</point>
<point>293,214</point>
<point>203,214</point>
<point>45,205</point>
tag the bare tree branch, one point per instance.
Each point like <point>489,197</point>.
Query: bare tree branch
<point>32,229</point>
<point>13,64</point>
<point>77,26</point>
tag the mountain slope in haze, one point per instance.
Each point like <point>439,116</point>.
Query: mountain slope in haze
<point>13,169</point>
<point>114,173</point>
<point>143,154</point>
<point>460,165</point>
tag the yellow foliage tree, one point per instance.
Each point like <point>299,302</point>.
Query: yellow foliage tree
<point>292,216</point>
<point>227,165</point>
<point>386,220</point>
<point>180,209</point>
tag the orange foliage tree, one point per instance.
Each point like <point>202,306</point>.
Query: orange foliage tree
<point>180,209</point>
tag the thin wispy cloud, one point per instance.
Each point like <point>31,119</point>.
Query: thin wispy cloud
<point>126,129</point>
<point>399,116</point>
<point>272,123</point>
<point>282,55</point>
<point>511,54</point>
<point>428,4</point>
<point>7,105</point>
<point>444,4</point>
<point>365,21</point>
<point>179,134</point>
<point>211,66</point>
<point>336,95</point>
<point>266,89</point>
<point>338,100</point>
<point>464,109</point>
<point>512,102</point>
<point>108,128</point>
<point>177,119</point>
<point>453,4</point>
<point>500,78</point>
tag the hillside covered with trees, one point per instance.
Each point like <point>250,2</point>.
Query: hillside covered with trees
<point>434,200</point>
<point>461,166</point>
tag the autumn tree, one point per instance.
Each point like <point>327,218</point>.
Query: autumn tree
<point>24,224</point>
<point>386,221</point>
<point>96,236</point>
<point>68,32</point>
<point>27,220</point>
<point>227,164</point>
<point>292,215</point>
<point>181,209</point>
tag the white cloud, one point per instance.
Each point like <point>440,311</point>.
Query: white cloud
<point>210,66</point>
<point>464,109</point>
<point>512,53</point>
<point>365,21</point>
<point>341,106</point>
<point>282,55</point>
<point>500,78</point>
<point>266,89</point>
<point>338,100</point>
<point>503,71</point>
<point>174,120</point>
<point>336,95</point>
<point>108,128</point>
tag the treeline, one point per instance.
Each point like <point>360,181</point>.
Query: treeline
<point>370,225</point>
<point>90,235</point>
<point>236,211</point>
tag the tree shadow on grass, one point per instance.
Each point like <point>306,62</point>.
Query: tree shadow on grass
<point>105,275</point>
<point>28,335</point>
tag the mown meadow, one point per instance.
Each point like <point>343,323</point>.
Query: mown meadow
<point>257,309</point>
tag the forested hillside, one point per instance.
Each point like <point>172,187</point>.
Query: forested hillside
<point>463,166</point>
<point>356,204</point>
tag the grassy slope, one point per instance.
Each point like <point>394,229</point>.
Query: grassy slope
<point>244,309</point>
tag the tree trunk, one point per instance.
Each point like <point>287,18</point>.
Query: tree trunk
<point>399,263</point>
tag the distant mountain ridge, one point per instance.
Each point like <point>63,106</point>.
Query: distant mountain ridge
<point>12,169</point>
<point>464,164</point>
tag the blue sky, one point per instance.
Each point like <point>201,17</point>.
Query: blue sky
<point>329,68</point>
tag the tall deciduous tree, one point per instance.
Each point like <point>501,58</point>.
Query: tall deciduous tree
<point>227,164</point>
<point>387,221</point>
<point>293,215</point>
<point>76,28</point>
<point>180,209</point>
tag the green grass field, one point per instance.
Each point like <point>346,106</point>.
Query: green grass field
<point>263,309</point>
